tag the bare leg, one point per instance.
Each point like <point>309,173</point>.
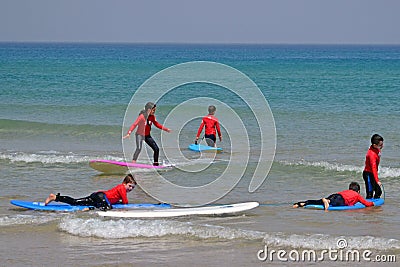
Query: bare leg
<point>51,198</point>
<point>326,203</point>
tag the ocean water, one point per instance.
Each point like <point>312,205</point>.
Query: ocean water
<point>62,105</point>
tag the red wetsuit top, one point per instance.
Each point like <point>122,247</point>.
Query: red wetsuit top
<point>212,126</point>
<point>372,160</point>
<point>152,120</point>
<point>352,197</point>
<point>140,123</point>
<point>116,193</point>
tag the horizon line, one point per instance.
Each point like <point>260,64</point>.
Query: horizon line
<point>196,43</point>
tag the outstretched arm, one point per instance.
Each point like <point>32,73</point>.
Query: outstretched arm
<point>365,202</point>
<point>159,125</point>
<point>133,126</point>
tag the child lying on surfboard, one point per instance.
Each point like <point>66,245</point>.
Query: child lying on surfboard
<point>344,198</point>
<point>101,199</point>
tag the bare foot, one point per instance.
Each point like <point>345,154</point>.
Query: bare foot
<point>133,161</point>
<point>298,204</point>
<point>51,198</point>
<point>326,203</point>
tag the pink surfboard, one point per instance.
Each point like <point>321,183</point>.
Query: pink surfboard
<point>112,166</point>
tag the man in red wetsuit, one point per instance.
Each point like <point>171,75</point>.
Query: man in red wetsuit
<point>100,199</point>
<point>212,127</point>
<point>344,198</point>
<point>370,173</point>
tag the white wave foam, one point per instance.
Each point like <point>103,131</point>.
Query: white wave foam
<point>151,228</point>
<point>384,172</point>
<point>49,157</point>
<point>158,228</point>
<point>389,172</point>
<point>24,219</point>
<point>321,241</point>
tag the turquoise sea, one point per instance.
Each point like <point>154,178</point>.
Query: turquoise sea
<point>62,105</point>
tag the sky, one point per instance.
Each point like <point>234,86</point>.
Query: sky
<point>202,21</point>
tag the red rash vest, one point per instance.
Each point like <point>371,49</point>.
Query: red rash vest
<point>152,120</point>
<point>140,123</point>
<point>116,193</point>
<point>372,159</point>
<point>352,197</point>
<point>212,126</point>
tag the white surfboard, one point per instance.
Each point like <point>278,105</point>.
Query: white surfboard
<point>175,212</point>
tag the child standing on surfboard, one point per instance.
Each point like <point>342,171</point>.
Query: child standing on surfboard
<point>148,139</point>
<point>140,123</point>
<point>370,173</point>
<point>101,199</point>
<point>144,121</point>
<point>211,124</point>
<point>344,198</point>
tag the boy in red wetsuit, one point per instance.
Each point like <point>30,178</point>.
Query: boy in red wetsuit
<point>370,173</point>
<point>101,199</point>
<point>212,127</point>
<point>140,123</point>
<point>344,198</point>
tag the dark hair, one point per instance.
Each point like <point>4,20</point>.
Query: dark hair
<point>129,179</point>
<point>149,105</point>
<point>211,109</point>
<point>354,186</point>
<point>376,138</point>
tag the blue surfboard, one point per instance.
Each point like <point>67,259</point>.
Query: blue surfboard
<point>66,207</point>
<point>358,205</point>
<point>204,148</point>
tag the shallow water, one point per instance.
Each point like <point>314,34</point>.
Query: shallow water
<point>62,105</point>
